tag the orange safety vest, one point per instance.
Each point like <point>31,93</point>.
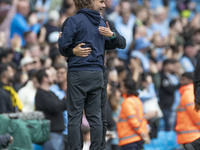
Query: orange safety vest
<point>131,122</point>
<point>187,120</point>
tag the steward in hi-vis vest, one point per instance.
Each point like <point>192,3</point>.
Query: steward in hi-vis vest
<point>188,120</point>
<point>131,126</point>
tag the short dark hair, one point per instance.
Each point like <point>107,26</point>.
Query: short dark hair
<point>60,65</point>
<point>188,43</point>
<point>120,69</point>
<point>4,52</point>
<point>144,76</point>
<point>83,4</point>
<point>169,61</point>
<point>6,1</point>
<point>40,75</point>
<point>188,75</point>
<point>3,68</point>
<point>173,22</point>
<point>32,73</point>
<point>26,33</point>
<point>130,85</point>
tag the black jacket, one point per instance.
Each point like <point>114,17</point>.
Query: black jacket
<point>166,92</point>
<point>52,107</point>
<point>83,28</point>
<point>196,81</point>
<point>118,42</point>
<point>5,101</point>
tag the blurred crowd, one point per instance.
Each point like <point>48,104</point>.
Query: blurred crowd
<point>162,43</point>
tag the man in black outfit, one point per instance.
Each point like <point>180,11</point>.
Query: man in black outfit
<point>6,75</point>
<point>117,41</point>
<point>47,102</point>
<point>196,82</point>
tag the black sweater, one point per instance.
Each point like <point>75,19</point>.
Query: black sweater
<point>52,107</point>
<point>5,101</point>
<point>166,92</point>
<point>196,81</point>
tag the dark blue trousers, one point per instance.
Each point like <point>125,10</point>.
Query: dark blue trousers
<point>84,89</point>
<point>133,146</point>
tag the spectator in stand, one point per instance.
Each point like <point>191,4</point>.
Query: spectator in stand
<point>124,24</point>
<point>30,38</point>
<point>140,51</point>
<point>19,25</point>
<point>149,99</point>
<point>47,102</point>
<point>52,25</point>
<point>27,63</point>
<point>9,99</point>
<point>7,11</point>
<point>60,90</point>
<point>28,92</point>
<point>42,8</point>
<point>175,31</point>
<point>161,23</point>
<point>6,55</point>
<point>169,84</point>
<point>188,61</point>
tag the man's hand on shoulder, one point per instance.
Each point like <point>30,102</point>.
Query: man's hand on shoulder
<point>81,52</point>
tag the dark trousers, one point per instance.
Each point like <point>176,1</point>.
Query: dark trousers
<point>104,110</point>
<point>154,123</point>
<point>170,119</point>
<point>66,145</point>
<point>189,147</point>
<point>133,146</point>
<point>84,92</point>
<point>196,144</point>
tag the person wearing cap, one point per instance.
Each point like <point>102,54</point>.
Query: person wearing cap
<point>188,120</point>
<point>26,63</point>
<point>140,51</point>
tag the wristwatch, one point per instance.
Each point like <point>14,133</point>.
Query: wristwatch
<point>113,36</point>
